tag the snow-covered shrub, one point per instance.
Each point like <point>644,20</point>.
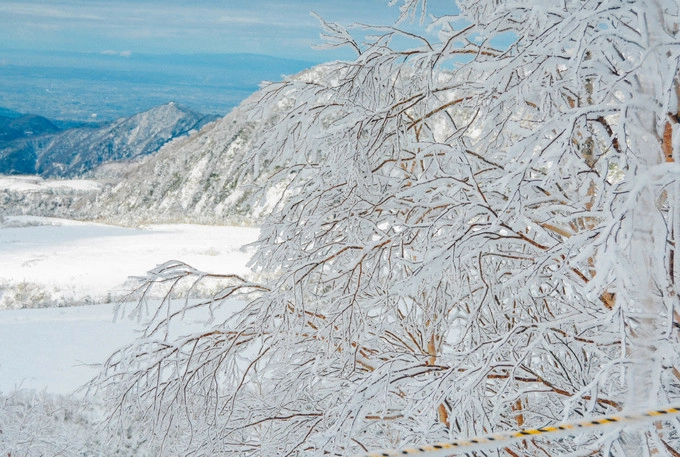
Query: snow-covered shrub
<point>455,252</point>
<point>24,295</point>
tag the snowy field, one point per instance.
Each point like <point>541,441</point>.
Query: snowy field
<point>56,260</point>
<point>69,262</point>
<point>54,349</point>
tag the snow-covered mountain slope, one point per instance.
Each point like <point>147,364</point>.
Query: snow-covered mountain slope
<point>191,179</point>
<point>197,179</point>
<point>76,151</point>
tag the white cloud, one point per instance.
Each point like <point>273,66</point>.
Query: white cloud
<point>111,52</point>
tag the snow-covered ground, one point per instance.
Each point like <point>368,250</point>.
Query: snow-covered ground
<point>81,262</point>
<point>50,349</point>
<point>53,348</point>
<point>58,350</point>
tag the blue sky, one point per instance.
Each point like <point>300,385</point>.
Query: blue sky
<point>273,27</point>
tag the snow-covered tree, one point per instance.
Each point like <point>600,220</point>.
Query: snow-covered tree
<point>474,233</point>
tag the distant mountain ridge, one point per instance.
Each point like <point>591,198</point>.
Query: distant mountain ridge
<point>34,145</point>
<point>12,128</point>
<point>190,180</point>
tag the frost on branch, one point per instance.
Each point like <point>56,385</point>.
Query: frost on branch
<point>471,237</point>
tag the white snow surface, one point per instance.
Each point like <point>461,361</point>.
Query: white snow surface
<point>83,259</point>
<point>57,349</point>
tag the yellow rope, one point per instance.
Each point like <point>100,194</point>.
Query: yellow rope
<point>496,440</point>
